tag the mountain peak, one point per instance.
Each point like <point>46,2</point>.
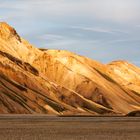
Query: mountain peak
<point>5,25</point>
<point>118,62</point>
<point>7,32</point>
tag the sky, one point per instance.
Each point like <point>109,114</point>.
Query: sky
<point>104,30</point>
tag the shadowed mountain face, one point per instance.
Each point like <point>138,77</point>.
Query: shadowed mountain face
<point>62,83</point>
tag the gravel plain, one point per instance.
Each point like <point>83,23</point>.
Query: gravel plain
<point>42,127</point>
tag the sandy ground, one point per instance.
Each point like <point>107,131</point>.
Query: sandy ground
<point>36,127</point>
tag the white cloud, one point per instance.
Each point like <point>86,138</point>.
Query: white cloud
<point>99,29</point>
<point>91,29</point>
<point>52,37</point>
<point>56,40</point>
<point>123,40</point>
<point>60,44</point>
<point>114,10</point>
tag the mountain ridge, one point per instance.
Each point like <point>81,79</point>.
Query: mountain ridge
<point>60,82</point>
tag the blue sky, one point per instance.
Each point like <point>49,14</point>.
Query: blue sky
<point>103,30</point>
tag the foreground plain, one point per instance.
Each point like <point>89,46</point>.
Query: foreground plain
<point>41,127</point>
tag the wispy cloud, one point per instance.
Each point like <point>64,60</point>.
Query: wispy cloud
<point>99,29</point>
<point>60,44</point>
<point>92,29</point>
<point>123,40</point>
<point>56,40</point>
<point>53,37</point>
<point>117,11</point>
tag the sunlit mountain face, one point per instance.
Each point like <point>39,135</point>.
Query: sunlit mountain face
<point>102,30</point>
<point>59,82</point>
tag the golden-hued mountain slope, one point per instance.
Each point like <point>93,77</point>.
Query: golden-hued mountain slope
<point>59,82</point>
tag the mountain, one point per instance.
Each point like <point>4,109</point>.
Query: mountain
<point>59,82</point>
